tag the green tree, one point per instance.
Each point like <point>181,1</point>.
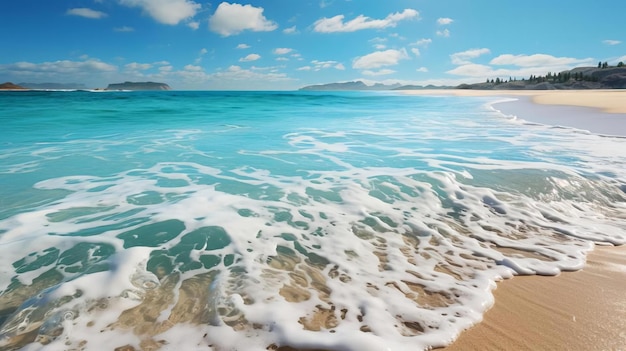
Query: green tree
<point>620,64</point>
<point>599,64</point>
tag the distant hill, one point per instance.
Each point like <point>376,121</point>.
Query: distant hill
<point>138,86</point>
<point>53,86</point>
<point>359,85</point>
<point>10,86</point>
<point>421,87</point>
<point>356,85</point>
<point>577,78</point>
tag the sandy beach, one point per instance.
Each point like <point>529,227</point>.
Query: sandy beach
<point>610,101</point>
<point>584,310</point>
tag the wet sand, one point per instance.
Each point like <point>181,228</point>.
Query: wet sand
<point>584,310</point>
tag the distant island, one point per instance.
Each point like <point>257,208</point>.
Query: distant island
<point>601,77</point>
<point>138,86</point>
<point>11,86</point>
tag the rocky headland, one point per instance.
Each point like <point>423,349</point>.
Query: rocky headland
<point>11,86</point>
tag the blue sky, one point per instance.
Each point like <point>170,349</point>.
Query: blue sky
<point>286,44</point>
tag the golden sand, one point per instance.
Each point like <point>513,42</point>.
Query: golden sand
<point>584,310</point>
<point>610,100</point>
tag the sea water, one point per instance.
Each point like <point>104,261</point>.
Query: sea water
<point>277,220</point>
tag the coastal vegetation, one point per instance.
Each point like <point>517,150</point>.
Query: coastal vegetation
<point>603,76</point>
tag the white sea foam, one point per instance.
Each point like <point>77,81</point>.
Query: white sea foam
<point>370,235</point>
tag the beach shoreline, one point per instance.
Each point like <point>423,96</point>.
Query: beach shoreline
<point>597,111</point>
<point>583,310</point>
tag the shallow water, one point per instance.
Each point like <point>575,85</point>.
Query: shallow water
<point>254,220</point>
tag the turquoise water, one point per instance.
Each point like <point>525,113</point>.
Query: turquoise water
<point>247,220</point>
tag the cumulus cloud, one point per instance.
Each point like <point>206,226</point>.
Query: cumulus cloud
<point>238,73</point>
<point>462,58</point>
<point>337,24</point>
<point>318,65</point>
<point>192,68</point>
<point>380,59</point>
<point>251,57</point>
<point>519,66</point>
<point>611,42</point>
<point>290,30</point>
<point>473,70</point>
<point>282,51</point>
<point>443,33</point>
<point>536,60</point>
<point>60,67</point>
<point>444,20</point>
<point>381,72</point>
<point>423,42</point>
<point>230,19</point>
<point>134,66</point>
<point>87,71</point>
<point>193,25</point>
<point>85,12</point>
<point>422,69</point>
<point>243,46</point>
<point>166,11</point>
<point>415,51</point>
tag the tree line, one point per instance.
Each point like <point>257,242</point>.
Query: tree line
<point>560,77</point>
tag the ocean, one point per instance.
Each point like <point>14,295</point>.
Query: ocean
<point>275,220</point>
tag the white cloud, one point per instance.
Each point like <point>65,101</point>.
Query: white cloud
<point>238,73</point>
<point>443,33</point>
<point>290,30</point>
<point>203,51</point>
<point>423,42</point>
<point>462,58</point>
<point>243,46</point>
<point>536,60</point>
<point>336,24</point>
<point>422,69</point>
<point>134,66</point>
<point>282,51</point>
<point>86,71</point>
<point>231,19</point>
<point>473,70</point>
<point>166,68</point>
<point>381,72</point>
<point>380,59</point>
<point>318,65</point>
<point>520,66</point>
<point>124,29</point>
<point>444,20</point>
<point>251,57</point>
<point>415,51</point>
<point>192,68</point>
<point>193,25</point>
<point>85,12</point>
<point>282,59</point>
<point>611,42</point>
<point>160,63</point>
<point>166,11</point>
